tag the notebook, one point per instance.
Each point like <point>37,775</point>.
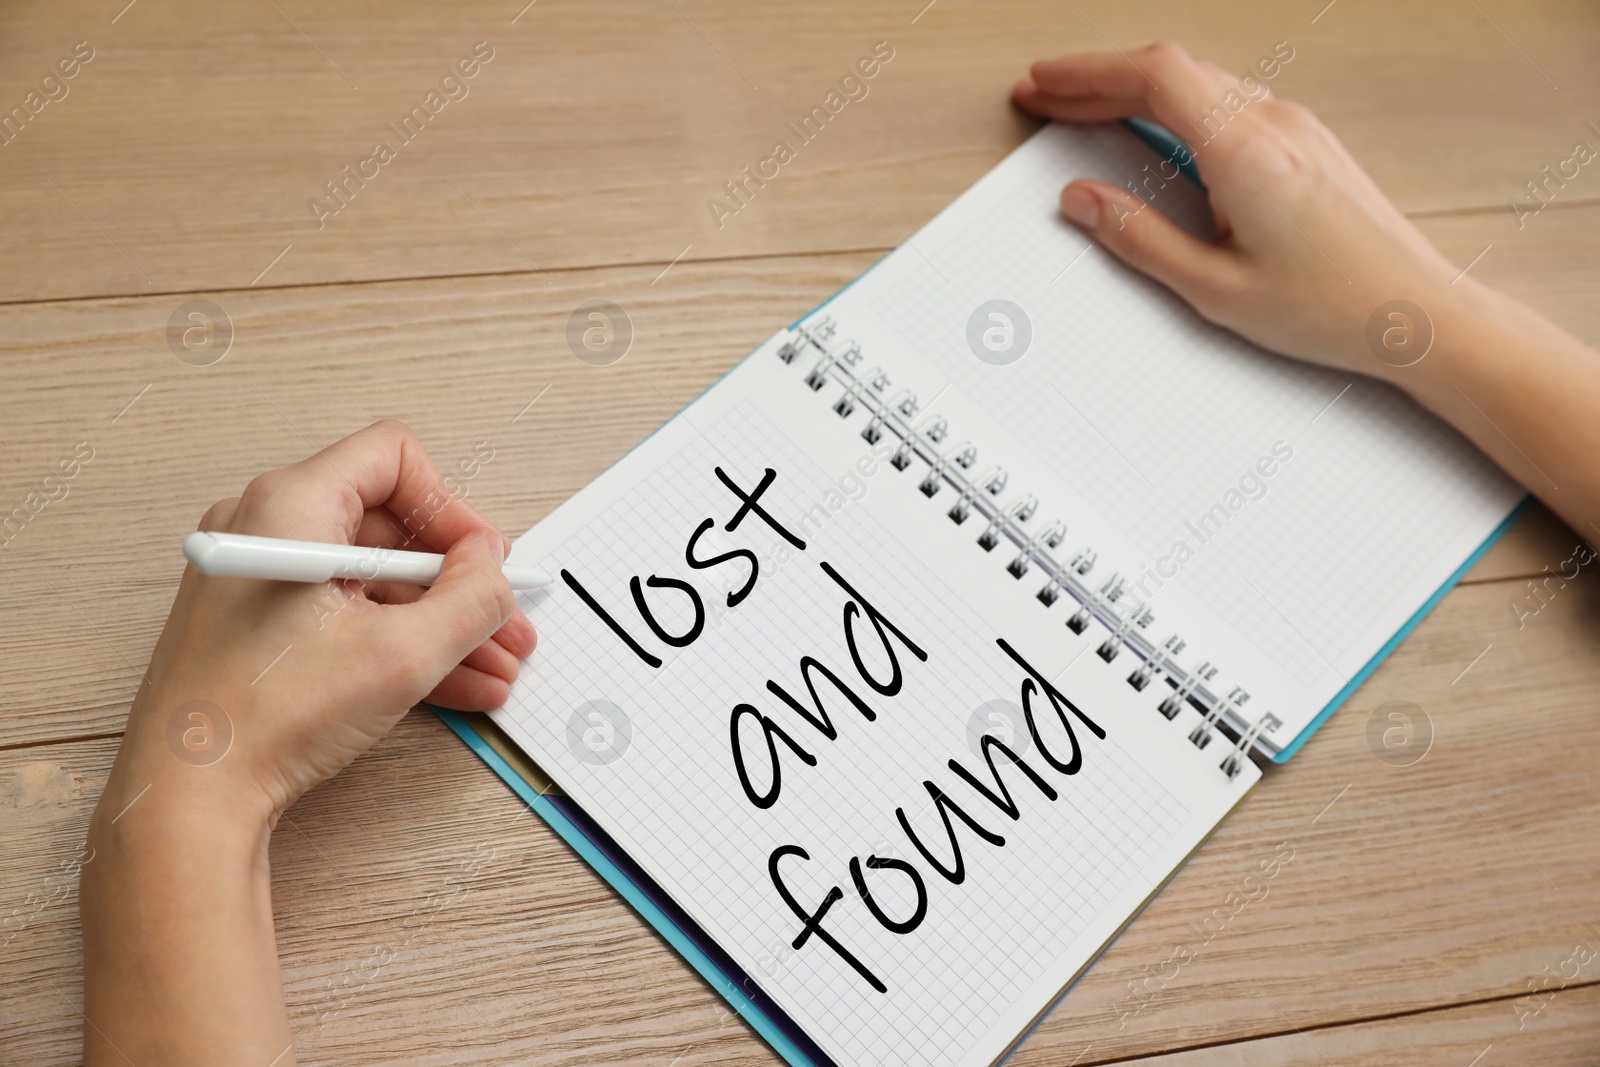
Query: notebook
<point>896,673</point>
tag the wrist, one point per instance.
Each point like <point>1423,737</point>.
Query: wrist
<point>150,817</point>
<point>1447,342</point>
<point>179,784</point>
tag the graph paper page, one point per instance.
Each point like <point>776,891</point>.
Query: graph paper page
<point>940,946</point>
<point>1149,428</point>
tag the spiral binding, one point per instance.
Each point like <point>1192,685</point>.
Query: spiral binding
<point>1127,625</point>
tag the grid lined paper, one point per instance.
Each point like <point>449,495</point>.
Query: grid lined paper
<point>673,800</point>
<point>1167,413</point>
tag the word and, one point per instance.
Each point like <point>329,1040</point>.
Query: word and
<point>1542,593</point>
<point>1252,486</point>
<point>738,189</point>
<point>765,746</point>
<point>1153,979</point>
<point>1543,990</point>
<point>1211,124</point>
<point>53,487</point>
<point>352,179</point>
<point>1032,684</point>
<point>352,981</point>
<point>1543,188</point>
<point>53,88</point>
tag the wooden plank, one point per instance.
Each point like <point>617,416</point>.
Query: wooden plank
<point>1537,544</point>
<point>1545,265</point>
<point>1453,880</point>
<point>1560,1035</point>
<point>459,358</point>
<point>599,133</point>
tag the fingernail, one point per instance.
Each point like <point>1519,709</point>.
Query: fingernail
<point>1081,207</point>
<point>497,546</point>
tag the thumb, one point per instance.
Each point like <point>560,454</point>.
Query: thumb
<point>470,600</point>
<point>1142,237</point>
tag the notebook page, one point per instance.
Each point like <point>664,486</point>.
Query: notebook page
<point>1151,427</point>
<point>948,975</point>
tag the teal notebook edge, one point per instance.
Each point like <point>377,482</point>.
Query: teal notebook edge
<point>1399,635</point>
<point>767,1025</point>
<point>771,1025</point>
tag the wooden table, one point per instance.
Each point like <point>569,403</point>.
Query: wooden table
<point>1425,905</point>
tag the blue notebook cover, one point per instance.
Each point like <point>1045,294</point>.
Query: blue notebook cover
<point>742,993</point>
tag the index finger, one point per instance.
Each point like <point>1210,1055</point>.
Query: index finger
<point>1160,82</point>
<point>382,466</point>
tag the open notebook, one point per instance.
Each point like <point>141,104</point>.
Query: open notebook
<point>906,663</point>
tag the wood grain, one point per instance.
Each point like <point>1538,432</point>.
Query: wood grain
<point>458,358</point>
<point>1451,881</point>
<point>423,914</point>
<point>462,360</point>
<point>186,152</point>
<point>1560,1035</point>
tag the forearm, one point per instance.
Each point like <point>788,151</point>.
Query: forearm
<point>1522,389</point>
<point>180,962</point>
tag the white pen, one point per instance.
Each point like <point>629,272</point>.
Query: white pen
<point>244,556</point>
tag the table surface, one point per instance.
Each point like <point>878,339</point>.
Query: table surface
<point>1434,912</point>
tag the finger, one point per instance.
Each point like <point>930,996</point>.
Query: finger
<point>383,465</point>
<point>219,515</point>
<point>1147,240</point>
<point>517,636</point>
<point>466,689</point>
<point>1030,97</point>
<point>491,658</point>
<point>470,601</point>
<point>388,467</point>
<point>382,528</point>
<point>1160,82</point>
<point>393,593</point>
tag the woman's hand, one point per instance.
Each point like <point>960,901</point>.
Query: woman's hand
<point>258,691</point>
<point>297,679</point>
<point>1311,260</point>
<point>1308,247</point>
